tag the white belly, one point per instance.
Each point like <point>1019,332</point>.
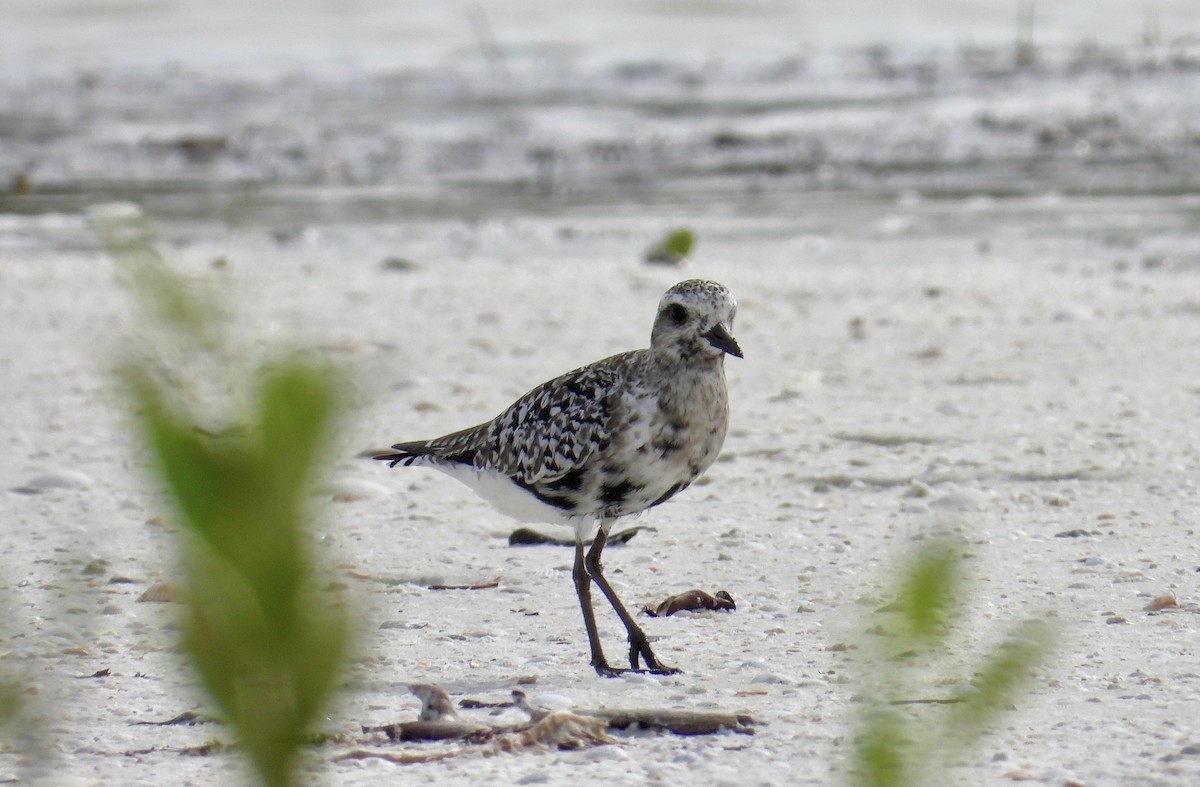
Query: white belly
<point>505,496</point>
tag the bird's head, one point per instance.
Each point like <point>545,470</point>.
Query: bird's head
<point>695,322</point>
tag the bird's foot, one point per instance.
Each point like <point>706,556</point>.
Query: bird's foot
<point>660,669</point>
<point>653,665</point>
<point>607,671</point>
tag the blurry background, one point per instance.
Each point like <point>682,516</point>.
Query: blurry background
<point>275,112</point>
<point>237,32</point>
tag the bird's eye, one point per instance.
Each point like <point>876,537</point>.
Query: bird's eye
<point>678,313</point>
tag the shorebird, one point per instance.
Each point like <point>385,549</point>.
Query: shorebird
<point>607,440</point>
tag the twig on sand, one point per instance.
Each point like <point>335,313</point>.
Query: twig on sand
<point>546,729</point>
<point>560,730</point>
<point>495,583</point>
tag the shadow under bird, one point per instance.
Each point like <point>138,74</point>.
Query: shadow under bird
<point>607,440</point>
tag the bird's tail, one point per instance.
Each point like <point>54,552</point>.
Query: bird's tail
<point>405,453</point>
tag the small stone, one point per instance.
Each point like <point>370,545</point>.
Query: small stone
<point>398,264</point>
<point>96,567</point>
<point>59,479</point>
<point>772,678</point>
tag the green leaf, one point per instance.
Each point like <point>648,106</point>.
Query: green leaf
<point>999,678</point>
<point>928,591</point>
<point>882,750</point>
<point>673,248</point>
<point>679,242</point>
<point>296,405</point>
<point>267,645</point>
<point>892,748</point>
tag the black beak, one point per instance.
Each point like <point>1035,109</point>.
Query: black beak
<point>719,337</point>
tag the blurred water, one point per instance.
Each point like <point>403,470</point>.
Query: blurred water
<point>822,115</point>
<point>243,33</point>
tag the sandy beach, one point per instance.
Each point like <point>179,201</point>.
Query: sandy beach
<point>1041,388</point>
<point>969,305</point>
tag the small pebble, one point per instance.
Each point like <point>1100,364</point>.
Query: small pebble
<point>96,568</point>
<point>774,678</point>
<point>59,479</point>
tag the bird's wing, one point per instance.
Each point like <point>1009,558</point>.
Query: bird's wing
<point>553,429</point>
<point>542,436</point>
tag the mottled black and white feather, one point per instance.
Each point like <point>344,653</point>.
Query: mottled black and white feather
<point>609,439</point>
<point>550,431</point>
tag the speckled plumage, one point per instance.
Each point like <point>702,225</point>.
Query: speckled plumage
<point>606,440</point>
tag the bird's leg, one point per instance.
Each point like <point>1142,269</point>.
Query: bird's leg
<point>583,587</point>
<point>638,643</point>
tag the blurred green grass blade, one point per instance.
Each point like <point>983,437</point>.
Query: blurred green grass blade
<point>999,679</point>
<point>296,405</point>
<point>928,591</point>
<point>11,699</point>
<point>295,413</point>
<point>267,645</point>
<point>882,750</point>
<point>892,749</point>
<point>270,678</point>
<point>208,484</point>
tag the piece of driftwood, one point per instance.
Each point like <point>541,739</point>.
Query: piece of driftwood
<point>430,730</point>
<point>470,704</point>
<point>495,583</point>
<point>188,717</point>
<point>691,601</point>
<point>559,730</point>
<point>680,722</point>
<point>439,721</point>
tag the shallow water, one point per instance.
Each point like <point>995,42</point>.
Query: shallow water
<point>236,34</point>
<point>225,114</point>
<point>1097,137</point>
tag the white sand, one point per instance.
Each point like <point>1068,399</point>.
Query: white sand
<point>1036,387</point>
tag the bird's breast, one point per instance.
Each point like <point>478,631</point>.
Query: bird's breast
<point>668,437</point>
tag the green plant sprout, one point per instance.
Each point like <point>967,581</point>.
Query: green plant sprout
<point>891,748</point>
<point>673,248</point>
<point>11,701</point>
<point>267,646</point>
